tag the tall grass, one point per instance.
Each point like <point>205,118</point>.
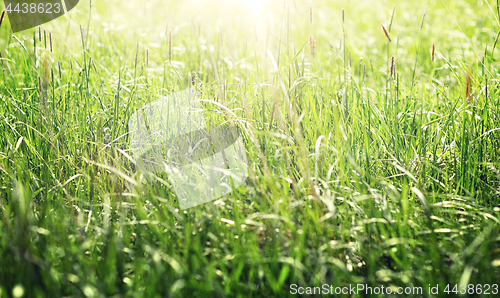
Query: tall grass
<point>373,154</point>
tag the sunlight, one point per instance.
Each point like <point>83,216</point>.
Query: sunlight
<point>255,6</point>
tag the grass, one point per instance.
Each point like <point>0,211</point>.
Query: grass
<point>371,161</point>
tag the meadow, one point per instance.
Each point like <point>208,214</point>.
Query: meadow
<point>371,129</point>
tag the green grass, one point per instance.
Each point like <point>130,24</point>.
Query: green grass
<point>357,176</point>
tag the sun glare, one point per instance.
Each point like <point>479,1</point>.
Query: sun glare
<point>254,5</point>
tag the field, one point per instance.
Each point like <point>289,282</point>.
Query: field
<point>371,129</point>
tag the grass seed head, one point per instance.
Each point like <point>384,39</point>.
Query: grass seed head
<point>386,33</point>
<point>468,88</point>
<point>312,44</point>
<point>46,68</point>
<point>392,66</point>
<point>170,46</point>
<point>1,18</point>
<point>433,51</point>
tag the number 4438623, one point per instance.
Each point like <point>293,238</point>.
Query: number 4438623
<point>471,289</point>
<point>34,8</point>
